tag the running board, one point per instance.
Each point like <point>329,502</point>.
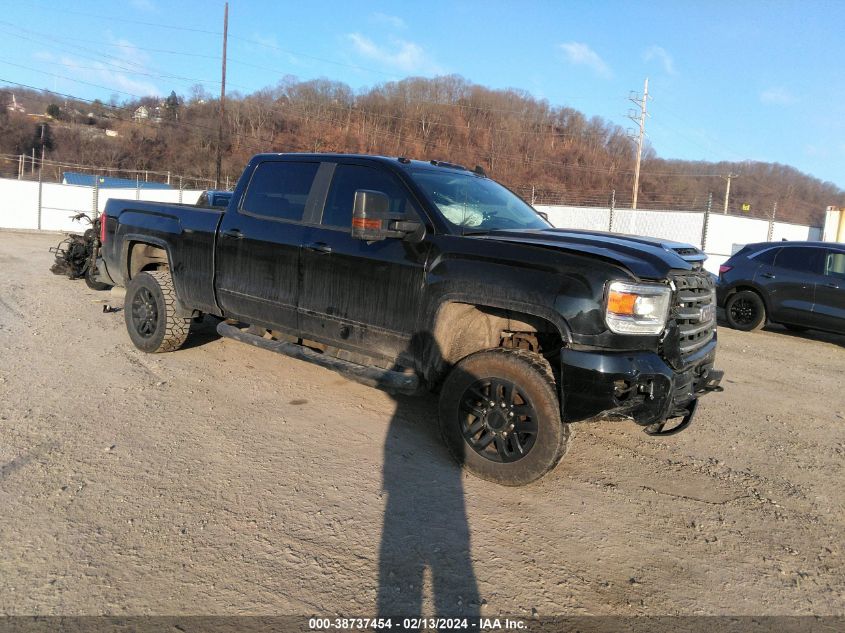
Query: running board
<point>365,374</point>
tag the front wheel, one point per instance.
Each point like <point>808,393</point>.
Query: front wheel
<point>500,416</point>
<point>150,312</point>
<point>745,311</point>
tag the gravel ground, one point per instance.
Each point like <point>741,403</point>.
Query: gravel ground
<point>221,479</point>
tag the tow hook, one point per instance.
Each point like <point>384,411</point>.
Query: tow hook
<point>656,429</point>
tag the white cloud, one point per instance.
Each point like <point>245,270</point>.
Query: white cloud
<point>401,55</point>
<point>579,54</point>
<point>777,96</point>
<point>658,53</point>
<point>103,75</point>
<point>390,20</point>
<point>127,52</point>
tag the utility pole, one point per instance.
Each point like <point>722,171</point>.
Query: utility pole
<point>222,99</point>
<point>641,103</point>
<point>42,143</point>
<point>729,177</point>
<point>772,222</point>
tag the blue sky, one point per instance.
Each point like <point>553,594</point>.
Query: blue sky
<point>741,80</point>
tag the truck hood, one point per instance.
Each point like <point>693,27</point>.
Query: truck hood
<point>645,257</point>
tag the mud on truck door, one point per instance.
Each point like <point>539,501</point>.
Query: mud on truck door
<point>362,294</point>
<point>259,244</point>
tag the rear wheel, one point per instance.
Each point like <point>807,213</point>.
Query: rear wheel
<point>150,313</point>
<point>500,416</point>
<point>745,311</point>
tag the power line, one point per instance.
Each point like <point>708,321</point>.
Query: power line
<point>112,62</point>
<point>98,16</point>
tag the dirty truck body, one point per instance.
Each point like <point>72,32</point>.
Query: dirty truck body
<point>407,275</point>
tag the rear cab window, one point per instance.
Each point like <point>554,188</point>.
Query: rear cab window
<point>279,190</point>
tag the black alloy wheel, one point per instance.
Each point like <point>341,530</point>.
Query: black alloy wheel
<point>144,313</point>
<point>498,420</point>
<point>745,311</point>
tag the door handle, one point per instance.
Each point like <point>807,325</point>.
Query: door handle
<point>832,285</point>
<point>233,233</point>
<point>768,275</point>
<point>319,247</point>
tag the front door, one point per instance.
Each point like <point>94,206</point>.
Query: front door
<point>358,295</point>
<point>259,244</point>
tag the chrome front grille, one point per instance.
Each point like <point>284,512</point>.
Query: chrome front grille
<point>694,311</point>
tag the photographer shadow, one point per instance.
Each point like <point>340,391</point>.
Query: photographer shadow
<point>425,526</point>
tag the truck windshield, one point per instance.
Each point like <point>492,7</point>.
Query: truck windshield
<point>473,203</point>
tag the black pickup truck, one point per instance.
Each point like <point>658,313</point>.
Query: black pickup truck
<point>410,276</point>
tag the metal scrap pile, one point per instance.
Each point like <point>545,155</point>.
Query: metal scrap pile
<point>73,255</point>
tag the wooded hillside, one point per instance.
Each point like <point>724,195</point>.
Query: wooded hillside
<point>557,153</point>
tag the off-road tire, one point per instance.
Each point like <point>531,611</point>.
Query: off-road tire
<point>531,374</point>
<point>169,331</point>
<point>750,301</point>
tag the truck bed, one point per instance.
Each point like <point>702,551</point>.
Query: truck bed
<point>158,223</point>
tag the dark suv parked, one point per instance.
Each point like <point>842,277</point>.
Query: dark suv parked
<point>798,284</point>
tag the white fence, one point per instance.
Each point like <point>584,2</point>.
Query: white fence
<point>724,236</point>
<point>49,206</point>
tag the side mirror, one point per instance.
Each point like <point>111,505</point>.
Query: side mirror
<point>370,215</point>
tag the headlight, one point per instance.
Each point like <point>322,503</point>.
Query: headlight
<point>637,308</point>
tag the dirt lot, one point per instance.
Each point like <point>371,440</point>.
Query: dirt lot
<point>221,479</point>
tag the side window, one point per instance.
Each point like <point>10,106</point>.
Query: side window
<point>348,179</point>
<point>767,257</point>
<point>279,190</point>
<point>801,259</point>
<point>835,265</point>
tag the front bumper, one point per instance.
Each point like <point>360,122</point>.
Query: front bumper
<point>639,386</point>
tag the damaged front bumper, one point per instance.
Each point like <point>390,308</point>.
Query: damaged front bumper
<point>639,386</point>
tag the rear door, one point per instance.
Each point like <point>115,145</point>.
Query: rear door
<point>791,282</point>
<point>829,308</point>
<point>259,243</point>
<point>359,295</point>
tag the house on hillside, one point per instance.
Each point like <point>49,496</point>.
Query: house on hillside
<point>147,113</point>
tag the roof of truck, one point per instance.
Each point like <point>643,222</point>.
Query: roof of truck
<point>395,160</point>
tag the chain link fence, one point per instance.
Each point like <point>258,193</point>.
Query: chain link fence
<point>23,167</point>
